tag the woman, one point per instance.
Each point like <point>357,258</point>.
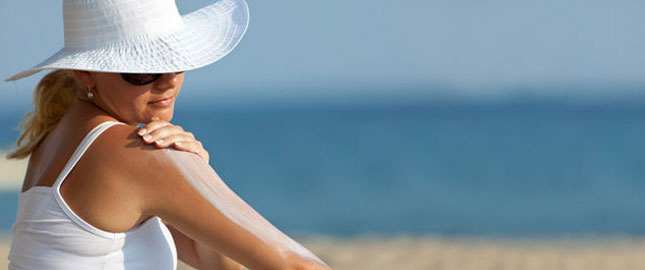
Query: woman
<point>102,193</point>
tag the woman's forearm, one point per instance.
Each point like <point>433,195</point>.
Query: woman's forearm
<point>211,259</point>
<point>199,255</point>
<point>243,219</point>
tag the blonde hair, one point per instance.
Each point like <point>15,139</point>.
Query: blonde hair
<point>52,98</point>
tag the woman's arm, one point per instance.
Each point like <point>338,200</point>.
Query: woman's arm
<point>184,191</point>
<point>164,134</point>
<point>199,255</point>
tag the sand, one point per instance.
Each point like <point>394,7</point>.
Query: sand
<point>480,254</point>
<point>428,252</point>
<point>12,172</point>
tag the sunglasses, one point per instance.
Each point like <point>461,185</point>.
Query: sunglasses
<point>139,79</point>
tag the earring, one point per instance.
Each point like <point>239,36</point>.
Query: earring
<point>90,95</point>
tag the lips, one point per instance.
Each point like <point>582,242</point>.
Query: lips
<point>162,102</point>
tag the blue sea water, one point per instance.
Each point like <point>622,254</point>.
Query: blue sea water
<point>518,168</point>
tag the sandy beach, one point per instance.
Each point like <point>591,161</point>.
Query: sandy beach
<point>12,172</point>
<point>439,253</point>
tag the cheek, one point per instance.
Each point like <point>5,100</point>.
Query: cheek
<point>130,108</point>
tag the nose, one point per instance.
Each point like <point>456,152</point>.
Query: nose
<point>167,81</point>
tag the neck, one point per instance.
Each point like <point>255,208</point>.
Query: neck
<point>87,111</point>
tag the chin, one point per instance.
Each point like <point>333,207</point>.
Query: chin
<point>165,116</point>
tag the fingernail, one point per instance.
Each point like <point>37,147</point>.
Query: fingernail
<point>159,141</point>
<point>142,131</point>
<point>155,118</point>
<point>178,143</point>
<point>147,137</point>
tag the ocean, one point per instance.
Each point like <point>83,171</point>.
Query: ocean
<point>526,167</point>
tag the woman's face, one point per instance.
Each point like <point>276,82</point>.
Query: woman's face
<point>136,104</point>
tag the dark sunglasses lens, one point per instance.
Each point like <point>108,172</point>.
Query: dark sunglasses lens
<point>140,78</point>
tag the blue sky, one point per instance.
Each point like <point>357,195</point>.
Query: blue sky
<point>309,49</point>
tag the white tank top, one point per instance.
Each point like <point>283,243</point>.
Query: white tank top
<point>49,235</point>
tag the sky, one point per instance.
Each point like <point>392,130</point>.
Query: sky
<point>303,50</point>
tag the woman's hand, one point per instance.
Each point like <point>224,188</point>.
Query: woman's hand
<point>164,134</point>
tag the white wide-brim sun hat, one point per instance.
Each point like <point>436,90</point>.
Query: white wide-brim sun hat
<point>144,36</point>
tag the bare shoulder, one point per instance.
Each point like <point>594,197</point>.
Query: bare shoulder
<point>122,152</point>
<point>119,159</point>
<point>105,187</point>
<point>120,148</point>
<point>145,171</point>
<point>117,141</point>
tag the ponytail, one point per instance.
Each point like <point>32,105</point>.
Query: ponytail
<point>52,98</point>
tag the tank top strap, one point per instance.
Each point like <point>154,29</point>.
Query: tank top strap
<point>80,150</point>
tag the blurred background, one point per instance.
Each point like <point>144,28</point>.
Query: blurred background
<point>400,124</point>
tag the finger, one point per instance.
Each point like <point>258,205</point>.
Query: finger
<point>152,126</point>
<point>193,147</point>
<point>190,146</point>
<point>169,140</point>
<point>165,132</point>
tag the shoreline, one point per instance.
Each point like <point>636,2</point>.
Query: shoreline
<point>464,253</point>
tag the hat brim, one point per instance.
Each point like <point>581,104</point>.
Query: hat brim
<point>207,35</point>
